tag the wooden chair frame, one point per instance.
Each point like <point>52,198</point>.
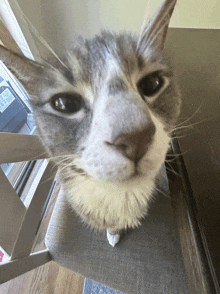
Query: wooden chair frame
<point>18,224</point>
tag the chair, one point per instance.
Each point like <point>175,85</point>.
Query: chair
<point>18,224</point>
<point>147,259</point>
<point>154,258</point>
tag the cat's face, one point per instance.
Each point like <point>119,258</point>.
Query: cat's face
<point>111,111</point>
<point>107,111</point>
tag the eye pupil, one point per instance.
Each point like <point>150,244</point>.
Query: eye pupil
<point>67,103</point>
<point>150,84</point>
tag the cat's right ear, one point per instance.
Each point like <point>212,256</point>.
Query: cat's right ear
<point>154,34</point>
<point>25,70</point>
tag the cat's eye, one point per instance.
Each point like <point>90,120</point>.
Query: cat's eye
<point>67,103</point>
<point>150,84</point>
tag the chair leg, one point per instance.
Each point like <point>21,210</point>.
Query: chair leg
<point>14,268</point>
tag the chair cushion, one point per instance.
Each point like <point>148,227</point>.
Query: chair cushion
<point>146,260</point>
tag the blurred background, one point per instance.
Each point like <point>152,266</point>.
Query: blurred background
<point>59,22</point>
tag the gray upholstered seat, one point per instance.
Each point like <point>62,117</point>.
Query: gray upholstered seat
<point>147,259</point>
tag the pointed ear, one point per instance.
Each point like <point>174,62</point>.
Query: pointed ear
<point>27,71</point>
<point>154,34</point>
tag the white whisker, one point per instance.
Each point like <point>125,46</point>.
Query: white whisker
<point>162,192</point>
<point>172,170</point>
<point>189,118</point>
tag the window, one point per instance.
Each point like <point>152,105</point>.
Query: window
<point>15,111</point>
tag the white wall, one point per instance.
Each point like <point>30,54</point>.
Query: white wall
<point>59,21</point>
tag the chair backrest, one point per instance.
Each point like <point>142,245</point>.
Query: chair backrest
<point>18,223</point>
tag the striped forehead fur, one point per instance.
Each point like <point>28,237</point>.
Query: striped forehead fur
<point>91,57</point>
<point>105,58</point>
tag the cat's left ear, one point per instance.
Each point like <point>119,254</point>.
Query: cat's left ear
<point>27,71</point>
<point>154,34</point>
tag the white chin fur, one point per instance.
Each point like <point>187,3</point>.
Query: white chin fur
<point>110,166</point>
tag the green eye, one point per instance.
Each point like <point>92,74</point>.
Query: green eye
<point>150,84</point>
<point>67,103</point>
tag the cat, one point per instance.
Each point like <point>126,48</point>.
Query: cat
<point>104,111</point>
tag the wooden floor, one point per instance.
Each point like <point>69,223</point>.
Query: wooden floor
<point>46,279</point>
<point>49,278</point>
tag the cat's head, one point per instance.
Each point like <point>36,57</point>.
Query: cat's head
<point>107,108</point>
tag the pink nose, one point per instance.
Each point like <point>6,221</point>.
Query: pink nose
<point>134,145</point>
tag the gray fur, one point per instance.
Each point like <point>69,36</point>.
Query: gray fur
<point>117,85</point>
<point>110,152</point>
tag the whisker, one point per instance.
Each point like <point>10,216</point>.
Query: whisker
<point>162,192</point>
<point>172,170</point>
<point>69,165</point>
<point>202,121</point>
<point>190,126</point>
<point>181,127</point>
<point>47,180</point>
<point>177,154</point>
<point>181,136</point>
<point>63,161</point>
<point>189,118</point>
<point>38,157</point>
<point>63,155</point>
<point>170,160</point>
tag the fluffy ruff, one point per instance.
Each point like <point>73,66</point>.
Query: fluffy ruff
<point>105,205</point>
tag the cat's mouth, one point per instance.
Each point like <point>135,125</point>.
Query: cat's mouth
<point>82,172</point>
<point>137,174</point>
